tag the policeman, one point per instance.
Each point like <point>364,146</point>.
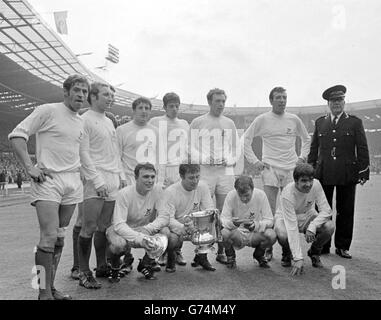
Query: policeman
<point>340,156</point>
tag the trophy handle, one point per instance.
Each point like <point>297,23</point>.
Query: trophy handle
<point>188,219</point>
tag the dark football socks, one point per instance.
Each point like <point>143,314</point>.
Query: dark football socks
<point>76,231</point>
<point>44,263</point>
<point>100,245</point>
<point>84,251</point>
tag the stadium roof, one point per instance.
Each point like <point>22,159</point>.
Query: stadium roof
<point>34,62</point>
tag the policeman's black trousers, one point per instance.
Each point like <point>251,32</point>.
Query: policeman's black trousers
<point>345,207</point>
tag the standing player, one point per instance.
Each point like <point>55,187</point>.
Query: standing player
<point>101,144</point>
<point>214,139</point>
<point>138,143</point>
<point>74,272</point>
<point>278,130</point>
<point>176,131</point>
<point>3,175</point>
<point>138,140</point>
<point>175,148</point>
<point>56,186</point>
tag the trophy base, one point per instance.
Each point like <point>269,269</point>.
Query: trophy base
<point>204,248</point>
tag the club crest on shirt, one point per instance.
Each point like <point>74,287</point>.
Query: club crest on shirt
<point>309,204</point>
<point>252,215</point>
<point>289,130</point>
<point>195,206</point>
<point>149,212</point>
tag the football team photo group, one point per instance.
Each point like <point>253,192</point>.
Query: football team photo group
<point>158,183</point>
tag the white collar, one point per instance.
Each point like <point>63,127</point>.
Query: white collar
<point>338,117</point>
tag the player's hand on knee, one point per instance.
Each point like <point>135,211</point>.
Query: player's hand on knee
<point>310,237</point>
<point>297,268</point>
<point>102,191</point>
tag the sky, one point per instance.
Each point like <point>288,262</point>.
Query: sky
<point>245,47</point>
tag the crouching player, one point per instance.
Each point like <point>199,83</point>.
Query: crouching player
<point>138,215</point>
<point>247,221</point>
<point>298,215</point>
<point>182,198</point>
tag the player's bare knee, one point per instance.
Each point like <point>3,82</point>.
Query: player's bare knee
<point>270,236</point>
<point>281,234</point>
<point>173,241</point>
<point>235,236</point>
<point>115,249</point>
<point>226,234</point>
<point>165,231</point>
<point>102,226</point>
<point>280,230</point>
<point>88,229</point>
<point>61,232</point>
<point>236,240</point>
<point>48,239</point>
<point>117,246</point>
<point>328,227</point>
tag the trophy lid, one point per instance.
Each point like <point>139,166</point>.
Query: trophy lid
<point>161,243</point>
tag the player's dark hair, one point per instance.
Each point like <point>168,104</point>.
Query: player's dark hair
<point>74,79</point>
<point>303,170</point>
<point>188,168</point>
<point>170,97</point>
<point>211,92</point>
<point>243,184</point>
<point>139,101</point>
<point>276,89</point>
<point>95,88</point>
<point>144,166</point>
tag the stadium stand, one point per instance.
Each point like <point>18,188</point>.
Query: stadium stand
<point>34,61</point>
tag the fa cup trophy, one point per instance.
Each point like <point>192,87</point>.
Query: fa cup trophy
<point>204,229</point>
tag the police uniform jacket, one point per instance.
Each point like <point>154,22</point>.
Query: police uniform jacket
<point>339,153</point>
